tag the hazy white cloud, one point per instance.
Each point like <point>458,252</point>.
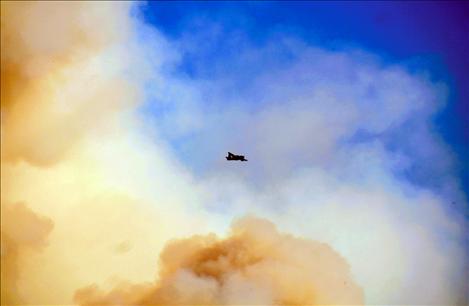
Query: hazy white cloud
<point>341,149</point>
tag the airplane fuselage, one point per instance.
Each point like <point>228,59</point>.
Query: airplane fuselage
<point>232,156</point>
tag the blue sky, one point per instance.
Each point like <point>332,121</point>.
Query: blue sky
<point>422,36</point>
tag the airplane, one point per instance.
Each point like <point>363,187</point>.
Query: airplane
<point>232,156</point>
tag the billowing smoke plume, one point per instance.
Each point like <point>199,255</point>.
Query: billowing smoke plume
<point>53,86</point>
<point>255,264</point>
<point>61,80</point>
<point>22,231</point>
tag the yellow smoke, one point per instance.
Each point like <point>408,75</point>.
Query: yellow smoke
<point>255,264</point>
<point>52,89</point>
<point>22,232</point>
<point>61,84</point>
<point>86,200</point>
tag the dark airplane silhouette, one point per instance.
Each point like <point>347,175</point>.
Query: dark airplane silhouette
<point>232,156</point>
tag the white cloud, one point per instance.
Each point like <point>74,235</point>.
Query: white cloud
<point>331,137</point>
